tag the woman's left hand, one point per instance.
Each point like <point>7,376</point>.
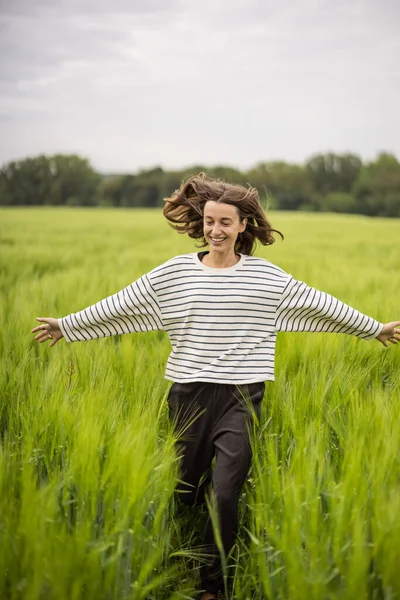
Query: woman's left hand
<point>390,333</point>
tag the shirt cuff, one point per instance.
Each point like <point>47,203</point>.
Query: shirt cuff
<point>377,331</point>
<point>64,330</point>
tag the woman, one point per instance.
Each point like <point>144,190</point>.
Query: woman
<point>222,310</point>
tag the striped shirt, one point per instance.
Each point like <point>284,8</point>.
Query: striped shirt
<point>222,323</point>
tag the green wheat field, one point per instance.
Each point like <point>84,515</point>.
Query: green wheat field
<point>87,457</point>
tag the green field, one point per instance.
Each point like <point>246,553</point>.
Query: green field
<point>87,463</point>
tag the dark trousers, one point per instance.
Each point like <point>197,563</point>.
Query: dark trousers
<point>214,419</point>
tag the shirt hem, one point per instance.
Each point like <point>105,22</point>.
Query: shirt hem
<point>220,381</point>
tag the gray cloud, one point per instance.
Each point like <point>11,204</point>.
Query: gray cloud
<point>132,84</point>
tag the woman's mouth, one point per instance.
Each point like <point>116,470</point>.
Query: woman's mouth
<point>217,240</point>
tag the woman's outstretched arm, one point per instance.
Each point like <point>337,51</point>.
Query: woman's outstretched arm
<point>303,308</point>
<point>133,309</point>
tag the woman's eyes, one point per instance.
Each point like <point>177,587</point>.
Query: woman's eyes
<point>211,223</point>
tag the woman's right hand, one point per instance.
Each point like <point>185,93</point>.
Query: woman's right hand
<point>49,330</point>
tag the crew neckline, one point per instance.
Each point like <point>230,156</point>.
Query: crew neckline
<point>217,270</point>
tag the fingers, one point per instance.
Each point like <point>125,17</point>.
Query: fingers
<point>44,332</point>
<point>46,327</point>
<point>39,327</point>
<point>43,337</point>
<point>394,336</point>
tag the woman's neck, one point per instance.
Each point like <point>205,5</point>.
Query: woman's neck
<point>218,260</point>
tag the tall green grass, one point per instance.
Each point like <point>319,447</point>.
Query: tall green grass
<point>87,461</point>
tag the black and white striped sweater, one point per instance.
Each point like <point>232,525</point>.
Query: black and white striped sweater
<point>222,323</point>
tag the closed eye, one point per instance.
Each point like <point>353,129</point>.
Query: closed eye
<point>222,222</point>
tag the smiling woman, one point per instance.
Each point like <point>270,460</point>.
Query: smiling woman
<point>222,311</point>
<point>192,208</point>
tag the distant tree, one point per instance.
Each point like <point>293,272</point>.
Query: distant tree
<point>227,174</point>
<point>288,184</point>
<point>377,189</point>
<point>74,178</point>
<point>127,191</point>
<point>5,196</point>
<point>148,187</point>
<point>333,172</point>
<point>27,182</point>
<point>49,180</point>
<point>170,182</point>
<point>109,190</point>
<point>392,204</point>
<point>143,189</point>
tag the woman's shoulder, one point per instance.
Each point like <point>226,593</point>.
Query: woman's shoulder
<point>180,259</point>
<point>263,265</point>
<point>176,262</point>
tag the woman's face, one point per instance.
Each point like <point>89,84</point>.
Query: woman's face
<point>222,225</point>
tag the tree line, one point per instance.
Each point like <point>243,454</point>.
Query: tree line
<point>326,182</point>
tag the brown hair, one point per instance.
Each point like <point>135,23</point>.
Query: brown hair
<point>185,209</point>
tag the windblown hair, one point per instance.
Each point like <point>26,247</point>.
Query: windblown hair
<point>185,210</point>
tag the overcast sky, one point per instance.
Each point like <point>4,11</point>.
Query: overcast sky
<point>136,83</point>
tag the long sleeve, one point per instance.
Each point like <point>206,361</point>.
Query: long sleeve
<point>303,308</point>
<point>133,309</point>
